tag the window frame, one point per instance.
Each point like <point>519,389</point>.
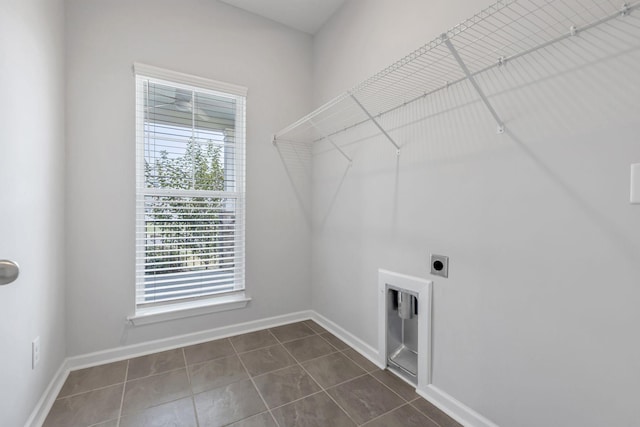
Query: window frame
<point>169,309</point>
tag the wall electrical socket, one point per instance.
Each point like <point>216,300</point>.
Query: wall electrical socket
<point>35,352</point>
<point>440,265</point>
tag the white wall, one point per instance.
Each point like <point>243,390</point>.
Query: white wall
<point>205,38</point>
<point>31,199</point>
<point>536,324</point>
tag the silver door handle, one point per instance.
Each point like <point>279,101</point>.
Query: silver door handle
<point>9,271</point>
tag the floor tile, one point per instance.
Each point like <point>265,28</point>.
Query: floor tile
<point>292,332</point>
<point>178,413</point>
<point>216,373</point>
<point>88,379</point>
<point>360,360</point>
<point>317,410</point>
<point>285,385</point>
<point>156,363</point>
<point>261,420</point>
<point>208,351</point>
<point>405,416</point>
<point>253,341</point>
<point>364,398</point>
<point>309,348</point>
<point>85,409</point>
<point>431,411</point>
<point>225,405</point>
<point>158,388</point>
<point>396,384</point>
<point>155,390</point>
<point>334,341</point>
<point>314,327</point>
<point>267,359</point>
<point>332,369</point>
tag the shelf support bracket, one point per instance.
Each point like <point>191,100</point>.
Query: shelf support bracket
<point>331,142</point>
<point>375,122</point>
<point>473,82</point>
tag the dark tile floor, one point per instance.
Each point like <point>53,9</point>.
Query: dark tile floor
<point>292,375</point>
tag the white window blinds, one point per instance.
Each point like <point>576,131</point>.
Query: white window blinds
<point>190,187</point>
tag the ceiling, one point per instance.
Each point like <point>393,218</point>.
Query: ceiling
<point>304,15</point>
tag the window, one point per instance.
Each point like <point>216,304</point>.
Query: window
<point>189,188</point>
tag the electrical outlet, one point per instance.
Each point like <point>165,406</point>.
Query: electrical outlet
<point>635,183</point>
<point>35,352</point>
<point>440,265</point>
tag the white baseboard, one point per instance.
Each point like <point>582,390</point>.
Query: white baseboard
<point>440,399</point>
<point>45,403</point>
<point>454,408</point>
<point>135,350</point>
<point>360,346</point>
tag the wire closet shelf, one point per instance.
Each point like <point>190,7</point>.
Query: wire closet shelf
<point>504,31</point>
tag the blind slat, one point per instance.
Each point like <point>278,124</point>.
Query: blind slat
<point>190,187</point>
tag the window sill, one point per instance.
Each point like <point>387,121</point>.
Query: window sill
<point>149,315</point>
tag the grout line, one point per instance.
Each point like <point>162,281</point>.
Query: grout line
<point>315,358</point>
<point>358,364</point>
<point>392,390</point>
<point>254,386</point>
<point>251,378</point>
<point>323,389</point>
<point>193,400</point>
<point>333,345</point>
<point>187,363</point>
<point>89,391</point>
<point>340,406</point>
<point>157,374</point>
<point>295,339</point>
<point>307,372</point>
<point>58,397</point>
<point>266,372</point>
<point>257,349</point>
<point>317,333</point>
<point>275,370</point>
<point>344,382</point>
<point>124,388</point>
<point>350,379</point>
<point>388,412</point>
<point>299,399</point>
<point>272,334</point>
<point>363,375</point>
<point>424,413</point>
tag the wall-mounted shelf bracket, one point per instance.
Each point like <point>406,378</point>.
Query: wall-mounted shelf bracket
<point>625,9</point>
<point>375,122</point>
<point>324,136</point>
<point>472,80</point>
<point>496,37</point>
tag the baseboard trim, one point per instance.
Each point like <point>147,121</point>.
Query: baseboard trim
<point>454,408</point>
<point>45,403</point>
<point>142,349</point>
<point>360,346</point>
